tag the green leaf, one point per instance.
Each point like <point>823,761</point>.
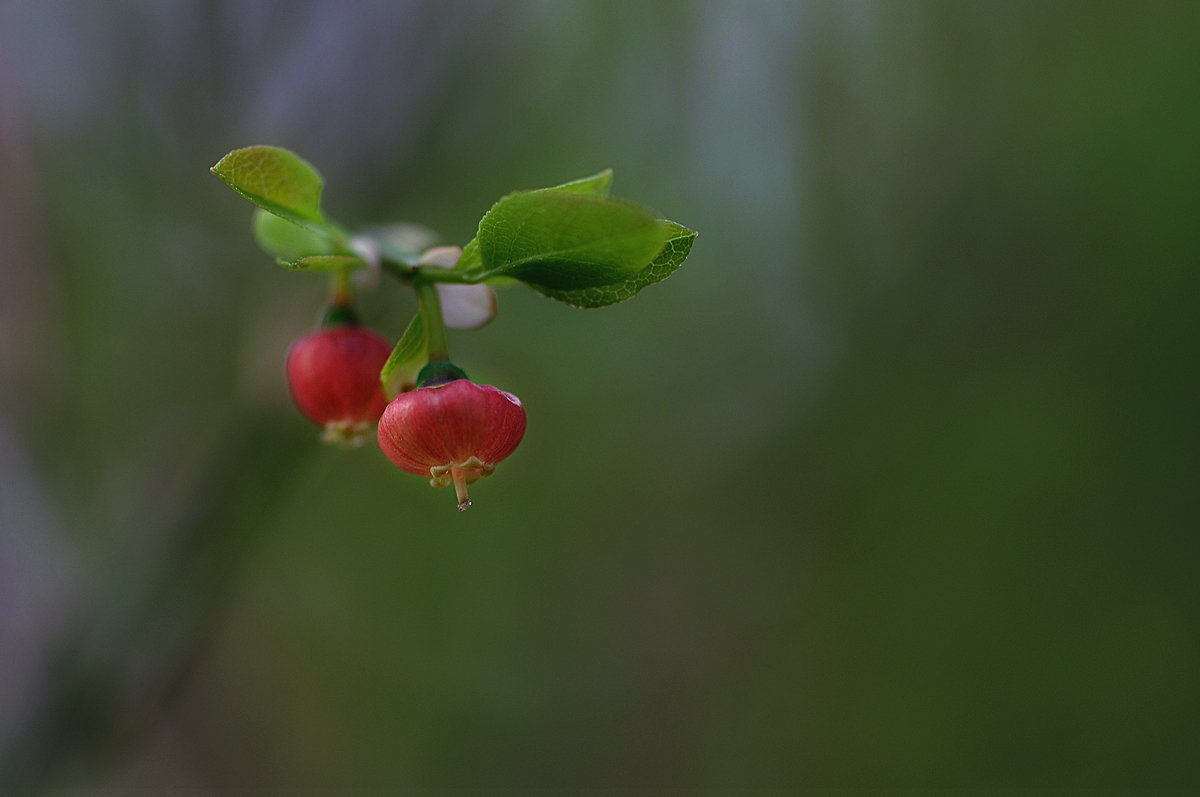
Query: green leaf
<point>324,263</point>
<point>278,181</point>
<point>399,373</point>
<point>284,240</point>
<point>598,184</point>
<point>676,249</point>
<point>564,239</point>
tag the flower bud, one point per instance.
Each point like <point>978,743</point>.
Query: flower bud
<point>333,375</point>
<point>463,306</point>
<point>455,432</point>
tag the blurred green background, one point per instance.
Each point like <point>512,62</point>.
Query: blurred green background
<point>893,484</point>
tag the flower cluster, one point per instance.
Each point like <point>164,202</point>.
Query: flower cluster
<point>448,428</point>
<point>571,242</point>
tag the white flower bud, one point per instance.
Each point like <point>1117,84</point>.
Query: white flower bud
<point>463,306</point>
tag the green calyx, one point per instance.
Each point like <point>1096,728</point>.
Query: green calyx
<point>340,315</point>
<point>439,372</point>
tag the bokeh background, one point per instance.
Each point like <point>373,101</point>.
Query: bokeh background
<point>893,484</point>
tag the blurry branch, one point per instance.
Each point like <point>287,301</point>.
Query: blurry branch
<point>129,659</point>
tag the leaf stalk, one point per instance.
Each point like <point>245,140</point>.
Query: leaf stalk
<point>431,308</point>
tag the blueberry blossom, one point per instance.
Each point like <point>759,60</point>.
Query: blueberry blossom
<point>454,432</point>
<point>333,375</point>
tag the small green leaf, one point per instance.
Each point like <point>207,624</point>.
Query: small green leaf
<point>598,184</point>
<point>676,249</point>
<point>399,373</point>
<point>564,240</point>
<point>276,180</point>
<point>324,263</point>
<point>284,240</point>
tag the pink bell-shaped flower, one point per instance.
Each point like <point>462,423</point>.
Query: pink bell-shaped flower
<point>454,432</point>
<point>333,375</point>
